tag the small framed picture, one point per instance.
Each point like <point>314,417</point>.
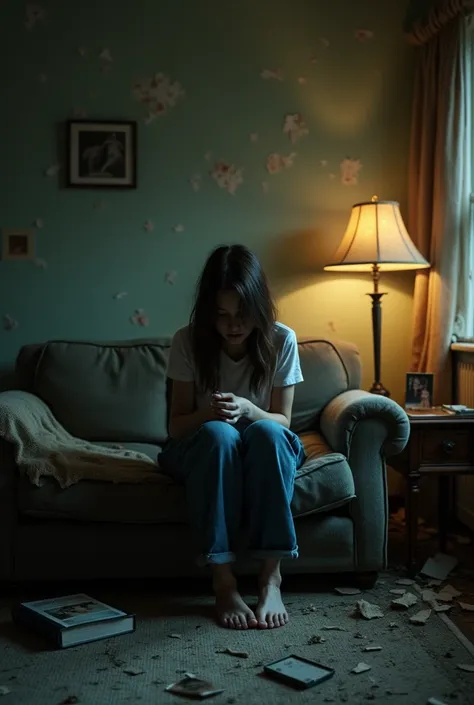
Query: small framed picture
<point>419,391</point>
<point>102,154</point>
<point>18,244</point>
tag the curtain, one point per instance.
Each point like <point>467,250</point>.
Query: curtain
<point>439,186</point>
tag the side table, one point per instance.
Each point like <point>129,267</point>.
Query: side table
<point>440,446</point>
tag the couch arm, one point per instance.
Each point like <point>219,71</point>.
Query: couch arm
<point>367,428</point>
<point>8,508</point>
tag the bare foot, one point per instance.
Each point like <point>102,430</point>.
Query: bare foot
<point>271,611</point>
<point>232,611</point>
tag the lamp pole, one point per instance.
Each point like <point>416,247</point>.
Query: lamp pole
<point>376,296</point>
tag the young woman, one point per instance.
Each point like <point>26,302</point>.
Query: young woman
<point>234,369</point>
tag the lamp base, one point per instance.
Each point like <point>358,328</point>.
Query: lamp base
<point>378,388</point>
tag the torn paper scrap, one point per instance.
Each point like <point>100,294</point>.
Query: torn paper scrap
<point>397,591</point>
<point>232,652</point>
<point>440,608</point>
<point>275,74</point>
<point>158,93</point>
<point>361,668</point>
<point>449,590</point>
<point>435,701</point>
<point>39,222</point>
<point>348,590</point>
<point>193,687</point>
<point>105,55</point>
<point>179,228</point>
<point>148,226</point>
<point>369,610</point>
<point>9,323</point>
<point>466,606</point>
<point>469,667</point>
<point>277,162</point>
<point>433,583</point>
<point>174,636</point>
<point>439,566</point>
<point>120,295</point>
<point>334,627</point>
<point>53,169</point>
<point>372,648</point>
<point>253,137</point>
<point>34,14</point>
<point>41,263</point>
<point>428,595</point>
<point>406,600</point>
<point>265,186</point>
<point>195,182</point>
<point>294,126</point>
<point>227,176</point>
<point>362,35</point>
<point>350,171</point>
<point>170,277</point>
<point>420,617</point>
<point>405,581</point>
<point>139,318</point>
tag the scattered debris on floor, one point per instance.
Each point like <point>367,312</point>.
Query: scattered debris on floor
<point>369,610</point>
<point>372,648</point>
<point>316,639</point>
<point>361,668</point>
<point>393,625</point>
<point>133,671</point>
<point>467,607</point>
<point>439,566</point>
<point>4,690</point>
<point>405,581</point>
<point>334,627</point>
<point>469,667</point>
<point>348,590</point>
<point>435,701</point>
<point>193,687</point>
<point>397,591</point>
<point>428,595</point>
<point>232,652</point>
<point>421,617</point>
<point>447,593</point>
<point>175,636</point>
<point>408,599</point>
<point>307,610</point>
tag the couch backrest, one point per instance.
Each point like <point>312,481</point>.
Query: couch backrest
<point>117,391</point>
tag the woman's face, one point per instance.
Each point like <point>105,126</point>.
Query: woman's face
<point>234,327</point>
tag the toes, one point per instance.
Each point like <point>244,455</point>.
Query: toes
<point>236,622</point>
<point>243,622</point>
<point>226,622</point>
<point>252,621</point>
<point>270,621</point>
<point>262,623</point>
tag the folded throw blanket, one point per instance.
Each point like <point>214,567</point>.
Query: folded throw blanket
<point>43,447</point>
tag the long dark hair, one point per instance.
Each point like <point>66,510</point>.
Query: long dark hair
<point>233,268</point>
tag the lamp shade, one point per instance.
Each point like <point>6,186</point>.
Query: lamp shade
<point>376,235</point>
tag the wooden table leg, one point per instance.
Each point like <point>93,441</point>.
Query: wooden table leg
<point>412,509</point>
<point>444,501</point>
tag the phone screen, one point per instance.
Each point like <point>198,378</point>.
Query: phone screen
<point>300,670</point>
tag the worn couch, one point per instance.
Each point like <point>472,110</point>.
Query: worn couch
<point>117,392</point>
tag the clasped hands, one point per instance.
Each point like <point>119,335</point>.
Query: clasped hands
<point>228,407</point>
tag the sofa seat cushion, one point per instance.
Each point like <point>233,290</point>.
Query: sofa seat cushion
<point>323,483</point>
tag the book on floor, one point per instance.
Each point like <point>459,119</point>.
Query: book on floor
<point>73,619</point>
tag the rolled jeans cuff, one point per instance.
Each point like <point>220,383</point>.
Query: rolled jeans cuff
<point>262,554</point>
<point>215,558</point>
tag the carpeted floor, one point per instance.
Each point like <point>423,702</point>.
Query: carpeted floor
<point>415,663</point>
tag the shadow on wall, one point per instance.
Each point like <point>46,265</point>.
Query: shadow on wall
<point>7,378</point>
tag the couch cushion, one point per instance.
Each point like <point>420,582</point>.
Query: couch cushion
<point>106,390</point>
<point>322,483</point>
<point>329,368</point>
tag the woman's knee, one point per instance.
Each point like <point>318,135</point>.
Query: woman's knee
<point>264,431</point>
<point>218,433</point>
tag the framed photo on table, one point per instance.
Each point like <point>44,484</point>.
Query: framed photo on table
<point>419,390</point>
<point>101,154</point>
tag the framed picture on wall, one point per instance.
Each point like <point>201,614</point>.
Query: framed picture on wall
<point>18,244</point>
<point>419,391</point>
<point>101,154</point>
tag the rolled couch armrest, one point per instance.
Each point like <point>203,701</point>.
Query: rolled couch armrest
<point>367,429</point>
<point>8,508</point>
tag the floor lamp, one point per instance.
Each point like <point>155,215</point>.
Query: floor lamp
<point>376,241</point>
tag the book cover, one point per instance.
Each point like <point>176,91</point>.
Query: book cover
<point>73,619</point>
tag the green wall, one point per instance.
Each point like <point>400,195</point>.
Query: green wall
<point>354,99</point>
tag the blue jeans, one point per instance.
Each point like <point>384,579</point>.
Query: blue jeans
<point>239,483</point>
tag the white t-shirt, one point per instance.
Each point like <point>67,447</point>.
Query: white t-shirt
<point>234,376</point>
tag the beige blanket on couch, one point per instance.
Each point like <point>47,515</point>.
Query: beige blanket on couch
<point>43,447</point>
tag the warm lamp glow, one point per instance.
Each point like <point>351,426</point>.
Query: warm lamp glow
<point>376,235</point>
